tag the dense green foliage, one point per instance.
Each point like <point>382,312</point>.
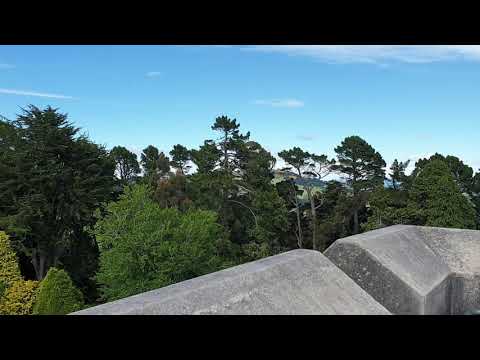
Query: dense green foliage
<point>363,168</point>
<point>16,295</point>
<point>144,246</point>
<point>57,295</point>
<point>9,269</point>
<point>155,164</point>
<point>398,176</point>
<point>439,199</point>
<point>126,164</point>
<point>51,182</point>
<point>434,198</point>
<point>99,225</point>
<point>19,298</point>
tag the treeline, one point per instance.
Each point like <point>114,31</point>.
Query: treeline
<point>80,216</point>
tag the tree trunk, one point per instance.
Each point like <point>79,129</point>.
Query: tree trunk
<point>41,271</point>
<point>355,197</point>
<point>39,261</point>
<point>225,164</point>
<point>355,221</point>
<point>35,262</point>
<point>299,221</point>
<point>314,219</point>
<point>299,225</point>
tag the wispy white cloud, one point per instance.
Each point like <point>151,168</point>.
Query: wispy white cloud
<point>376,54</point>
<point>306,137</point>
<point>33,93</point>
<point>288,103</point>
<point>6,66</point>
<point>152,74</point>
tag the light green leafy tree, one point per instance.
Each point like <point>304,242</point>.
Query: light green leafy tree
<point>144,246</point>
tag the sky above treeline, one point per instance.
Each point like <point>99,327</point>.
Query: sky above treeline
<point>407,101</point>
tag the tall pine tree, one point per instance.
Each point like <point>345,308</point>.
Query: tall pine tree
<point>363,168</point>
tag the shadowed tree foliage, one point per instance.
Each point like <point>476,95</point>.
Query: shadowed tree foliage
<point>172,192</point>
<point>335,215</point>
<point>126,165</point>
<point>155,164</point>
<point>291,195</point>
<point>206,157</point>
<point>390,207</point>
<point>462,173</point>
<point>54,180</point>
<point>180,158</point>
<point>439,200</point>
<point>476,196</point>
<point>234,180</point>
<point>229,141</point>
<point>397,174</point>
<point>363,168</point>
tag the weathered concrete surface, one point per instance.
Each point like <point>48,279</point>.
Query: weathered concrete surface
<point>414,270</point>
<point>460,250</point>
<point>296,282</point>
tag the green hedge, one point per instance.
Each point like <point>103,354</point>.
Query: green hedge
<point>57,295</point>
<point>9,269</point>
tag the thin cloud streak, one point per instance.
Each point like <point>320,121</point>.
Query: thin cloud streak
<point>375,54</point>
<point>288,103</point>
<point>306,137</point>
<point>152,74</point>
<point>34,93</point>
<point>6,66</point>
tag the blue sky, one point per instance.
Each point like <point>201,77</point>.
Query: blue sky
<point>406,101</point>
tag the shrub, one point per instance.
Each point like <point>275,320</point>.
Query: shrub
<point>57,295</point>
<point>19,298</point>
<point>144,247</point>
<point>3,288</point>
<point>9,269</point>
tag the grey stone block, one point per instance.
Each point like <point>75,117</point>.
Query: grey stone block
<point>296,282</point>
<point>414,270</point>
<point>460,250</point>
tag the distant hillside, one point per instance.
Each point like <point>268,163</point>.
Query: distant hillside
<point>316,183</point>
<point>312,182</point>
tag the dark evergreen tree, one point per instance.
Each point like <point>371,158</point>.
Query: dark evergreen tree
<point>206,158</point>
<point>335,215</point>
<point>229,141</point>
<point>462,173</point>
<point>52,182</point>
<point>155,165</point>
<point>397,174</point>
<point>363,168</point>
<point>180,158</point>
<point>439,199</point>
<point>127,166</point>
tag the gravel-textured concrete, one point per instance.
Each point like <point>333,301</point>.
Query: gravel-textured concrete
<point>296,282</point>
<point>414,270</point>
